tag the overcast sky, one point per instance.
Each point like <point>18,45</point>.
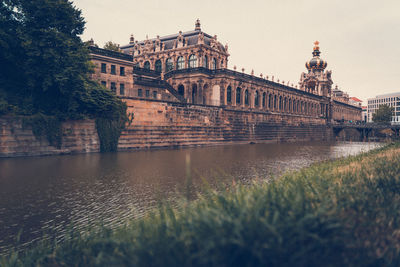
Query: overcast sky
<point>360,40</point>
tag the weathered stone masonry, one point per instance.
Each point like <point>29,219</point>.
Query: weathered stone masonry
<point>17,141</point>
<point>159,124</point>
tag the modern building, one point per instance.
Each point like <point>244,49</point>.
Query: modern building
<point>392,100</point>
<point>192,68</point>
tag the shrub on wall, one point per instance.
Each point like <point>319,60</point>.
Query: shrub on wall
<point>111,115</point>
<point>109,132</point>
<point>45,126</point>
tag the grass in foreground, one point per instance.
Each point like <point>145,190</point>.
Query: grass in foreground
<point>343,212</point>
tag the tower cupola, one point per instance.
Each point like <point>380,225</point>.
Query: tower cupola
<point>316,63</point>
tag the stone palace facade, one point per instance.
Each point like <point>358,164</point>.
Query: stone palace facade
<point>192,68</point>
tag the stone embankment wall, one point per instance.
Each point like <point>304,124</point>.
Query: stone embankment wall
<point>15,140</point>
<point>159,124</point>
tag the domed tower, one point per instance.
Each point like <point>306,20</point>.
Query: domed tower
<point>317,80</point>
<point>316,64</point>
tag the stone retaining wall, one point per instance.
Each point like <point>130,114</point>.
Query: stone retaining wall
<point>158,124</point>
<point>15,140</point>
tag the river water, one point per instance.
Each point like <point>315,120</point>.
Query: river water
<point>46,194</point>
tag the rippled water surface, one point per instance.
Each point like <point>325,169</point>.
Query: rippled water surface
<point>45,194</point>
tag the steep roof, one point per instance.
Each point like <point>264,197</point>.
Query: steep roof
<point>355,99</point>
<point>191,37</point>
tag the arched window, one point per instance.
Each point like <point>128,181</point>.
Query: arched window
<point>274,101</point>
<point>280,102</point>
<point>238,93</point>
<point>214,64</point>
<point>169,65</point>
<point>229,94</point>
<point>192,61</point>
<point>246,97</point>
<point>180,63</point>
<point>181,90</point>
<point>298,106</point>
<point>205,62</point>
<point>290,105</point>
<point>222,64</point>
<point>158,66</point>
<point>256,99</point>
<point>269,101</point>
<point>146,65</point>
<point>264,99</point>
<point>294,106</point>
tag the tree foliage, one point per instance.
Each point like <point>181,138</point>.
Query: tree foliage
<point>46,66</point>
<point>111,46</point>
<point>383,114</point>
<point>46,63</point>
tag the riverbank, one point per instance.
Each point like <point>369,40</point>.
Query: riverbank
<point>333,213</point>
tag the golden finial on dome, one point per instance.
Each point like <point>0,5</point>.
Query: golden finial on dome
<point>316,47</point>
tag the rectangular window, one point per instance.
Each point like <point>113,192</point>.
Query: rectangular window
<point>103,68</point>
<point>113,69</point>
<point>139,92</point>
<point>122,71</point>
<point>147,93</point>
<point>113,87</point>
<point>122,89</point>
<point>104,83</point>
<point>155,94</point>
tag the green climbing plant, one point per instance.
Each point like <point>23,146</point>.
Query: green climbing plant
<point>44,126</point>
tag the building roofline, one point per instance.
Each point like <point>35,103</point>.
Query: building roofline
<point>385,95</point>
<point>168,37</point>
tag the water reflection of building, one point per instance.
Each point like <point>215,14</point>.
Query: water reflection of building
<point>191,67</point>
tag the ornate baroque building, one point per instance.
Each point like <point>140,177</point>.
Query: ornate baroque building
<point>191,67</point>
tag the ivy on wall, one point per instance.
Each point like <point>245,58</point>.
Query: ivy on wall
<point>44,126</point>
<point>109,131</point>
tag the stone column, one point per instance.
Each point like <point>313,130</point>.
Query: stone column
<point>199,60</point>
<point>188,90</point>
<point>251,99</point>
<point>186,57</point>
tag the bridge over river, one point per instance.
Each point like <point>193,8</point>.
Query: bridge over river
<point>368,130</point>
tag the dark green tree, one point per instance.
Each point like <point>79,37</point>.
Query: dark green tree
<point>383,114</point>
<point>111,46</point>
<point>45,66</point>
